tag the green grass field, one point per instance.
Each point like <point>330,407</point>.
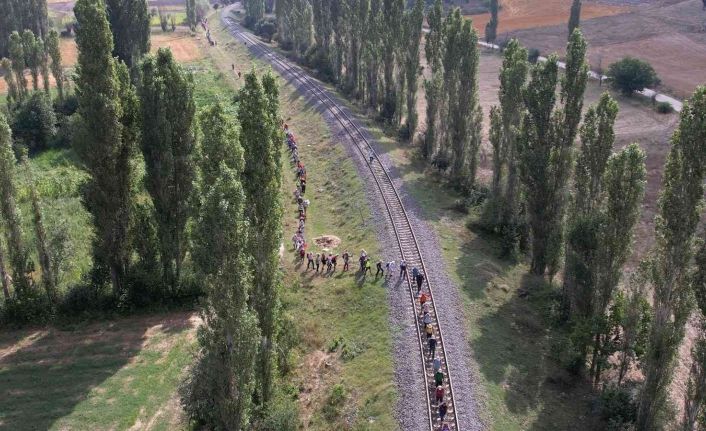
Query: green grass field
<point>100,376</point>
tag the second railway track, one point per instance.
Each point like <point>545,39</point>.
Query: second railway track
<point>404,233</point>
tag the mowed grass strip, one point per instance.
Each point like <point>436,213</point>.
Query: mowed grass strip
<point>108,375</point>
<point>342,320</point>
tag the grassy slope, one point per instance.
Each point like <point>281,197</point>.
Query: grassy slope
<point>327,309</point>
<point>108,375</point>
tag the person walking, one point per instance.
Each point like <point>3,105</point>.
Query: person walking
<point>389,268</point>
<point>445,427</point>
<point>367,267</point>
<point>371,155</point>
<point>329,262</point>
<point>415,271</point>
<point>403,268</point>
<point>443,408</point>
<point>362,259</point>
<point>439,378</point>
<point>436,363</point>
<point>429,330</point>
<point>346,256</point>
<point>432,346</point>
<point>318,261</point>
<point>420,281</point>
<point>334,261</point>
<point>309,260</point>
<point>379,271</point>
<point>439,394</point>
<point>426,319</point>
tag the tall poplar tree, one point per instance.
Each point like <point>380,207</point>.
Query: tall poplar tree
<point>261,138</point>
<point>218,391</point>
<point>491,28</point>
<point>191,14</point>
<point>597,138</point>
<point>44,65</point>
<point>17,251</point>
<point>574,16</point>
<point>52,47</point>
<point>545,150</point>
<point>675,225</point>
<point>12,89</point>
<point>105,137</point>
<point>32,53</point>
<point>413,21</point>
<point>17,57</point>
<point>49,278</point>
<point>168,144</point>
<point>433,87</point>
<point>130,24</point>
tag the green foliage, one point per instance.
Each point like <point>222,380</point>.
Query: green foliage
<point>19,15</point>
<point>574,16</point>
<point>33,51</point>
<point>335,402</point>
<point>168,146</point>
<point>54,52</point>
<point>17,57</point>
<point>260,137</point>
<point>491,28</point>
<point>664,108</point>
<point>254,11</point>
<point>545,150</point>
<point>105,137</point>
<point>13,94</point>
<point>218,389</point>
<point>618,408</point>
<point>294,25</point>
<point>12,219</point>
<point>631,74</point>
<point>34,123</point>
<point>190,15</point>
<point>414,19</point>
<point>675,225</point>
<point>130,24</point>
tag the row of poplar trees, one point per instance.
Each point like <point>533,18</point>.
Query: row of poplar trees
<point>571,207</point>
<point>28,51</point>
<point>579,207</point>
<point>218,178</point>
<point>213,181</point>
<point>369,48</point>
<point>20,15</point>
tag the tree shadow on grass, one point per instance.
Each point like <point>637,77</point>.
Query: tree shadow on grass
<point>44,374</point>
<point>516,351</point>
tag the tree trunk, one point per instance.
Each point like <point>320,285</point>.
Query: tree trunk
<point>3,275</point>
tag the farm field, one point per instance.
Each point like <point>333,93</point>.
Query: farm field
<point>669,34</point>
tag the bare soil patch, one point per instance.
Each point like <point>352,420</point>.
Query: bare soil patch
<point>327,241</point>
<point>522,14</point>
<point>671,35</point>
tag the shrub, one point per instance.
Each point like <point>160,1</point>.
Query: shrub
<point>617,408</point>
<point>533,55</point>
<point>31,308</point>
<point>282,414</point>
<point>34,122</point>
<point>631,74</point>
<point>663,107</point>
<point>86,299</point>
<point>266,28</point>
<point>334,403</point>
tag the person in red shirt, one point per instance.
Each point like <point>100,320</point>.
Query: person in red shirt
<point>439,394</point>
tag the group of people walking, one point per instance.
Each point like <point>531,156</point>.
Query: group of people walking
<point>299,239</point>
<point>327,263</point>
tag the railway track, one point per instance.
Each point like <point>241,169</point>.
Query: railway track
<point>404,233</point>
